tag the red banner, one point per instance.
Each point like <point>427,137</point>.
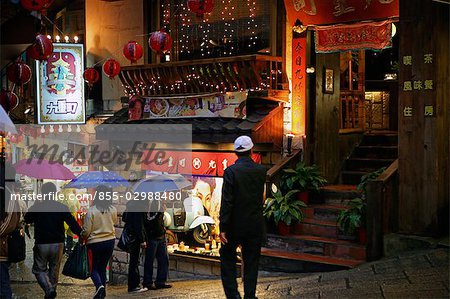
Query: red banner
<point>375,36</point>
<point>299,85</point>
<point>321,12</point>
<point>195,163</point>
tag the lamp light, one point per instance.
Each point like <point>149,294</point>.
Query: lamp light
<point>57,38</point>
<point>299,27</point>
<point>66,38</point>
<point>75,38</point>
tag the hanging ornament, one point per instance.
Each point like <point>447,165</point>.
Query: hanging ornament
<point>160,41</point>
<point>111,68</point>
<point>36,5</point>
<point>9,100</point>
<point>18,73</point>
<point>91,76</point>
<point>41,49</point>
<point>200,7</point>
<point>132,51</point>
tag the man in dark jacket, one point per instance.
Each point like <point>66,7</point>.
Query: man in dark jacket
<point>156,248</point>
<point>241,219</point>
<point>48,217</point>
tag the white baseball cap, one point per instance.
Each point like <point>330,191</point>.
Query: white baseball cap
<point>243,144</point>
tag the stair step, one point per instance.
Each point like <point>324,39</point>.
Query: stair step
<point>352,177</point>
<point>317,245</point>
<point>380,139</point>
<point>366,164</point>
<point>315,227</point>
<point>303,262</point>
<point>327,212</point>
<point>338,194</point>
<point>370,151</point>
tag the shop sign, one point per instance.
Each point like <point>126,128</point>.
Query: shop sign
<point>321,12</point>
<point>374,36</point>
<point>60,86</point>
<point>230,104</point>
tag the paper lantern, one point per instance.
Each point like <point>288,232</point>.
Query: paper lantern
<point>41,49</point>
<point>200,7</point>
<point>9,100</point>
<point>132,51</point>
<point>19,73</point>
<point>111,68</point>
<point>36,5</point>
<point>91,76</point>
<point>160,41</point>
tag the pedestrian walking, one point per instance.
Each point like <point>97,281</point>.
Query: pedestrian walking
<point>156,248</point>
<point>100,236</point>
<point>49,216</point>
<point>241,219</point>
<point>9,221</point>
<point>134,217</point>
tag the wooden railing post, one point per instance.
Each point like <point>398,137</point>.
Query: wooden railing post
<point>374,201</point>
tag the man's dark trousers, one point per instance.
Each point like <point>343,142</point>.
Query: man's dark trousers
<point>251,251</point>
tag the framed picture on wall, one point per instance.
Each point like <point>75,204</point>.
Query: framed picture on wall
<point>328,80</point>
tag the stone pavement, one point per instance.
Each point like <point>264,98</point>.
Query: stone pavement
<point>417,274</point>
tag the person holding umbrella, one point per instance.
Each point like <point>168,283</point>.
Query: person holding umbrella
<point>99,233</point>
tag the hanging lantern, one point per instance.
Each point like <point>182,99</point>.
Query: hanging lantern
<point>200,7</point>
<point>111,68</point>
<point>132,51</point>
<point>9,100</point>
<point>36,5</point>
<point>41,49</point>
<point>91,76</point>
<point>19,73</point>
<point>160,41</point>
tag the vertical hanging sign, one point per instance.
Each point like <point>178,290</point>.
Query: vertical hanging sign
<point>299,84</point>
<point>60,86</point>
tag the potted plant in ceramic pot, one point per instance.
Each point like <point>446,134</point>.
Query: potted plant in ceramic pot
<point>303,178</point>
<point>284,210</point>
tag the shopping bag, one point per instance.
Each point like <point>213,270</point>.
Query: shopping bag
<point>77,264</point>
<point>127,241</point>
<point>16,246</point>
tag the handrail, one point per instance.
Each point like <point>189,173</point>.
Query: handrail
<point>386,175</point>
<point>281,164</point>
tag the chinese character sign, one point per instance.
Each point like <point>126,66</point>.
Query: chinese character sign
<point>61,86</point>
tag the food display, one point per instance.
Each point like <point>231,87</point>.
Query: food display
<point>158,108</point>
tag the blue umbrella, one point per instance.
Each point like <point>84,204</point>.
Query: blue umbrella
<point>162,183</point>
<point>93,179</point>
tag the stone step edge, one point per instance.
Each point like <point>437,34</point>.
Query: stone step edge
<point>318,239</point>
<point>351,263</point>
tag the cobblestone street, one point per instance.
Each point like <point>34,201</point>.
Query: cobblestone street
<point>418,274</point>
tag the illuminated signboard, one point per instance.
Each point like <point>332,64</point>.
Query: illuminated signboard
<point>60,91</point>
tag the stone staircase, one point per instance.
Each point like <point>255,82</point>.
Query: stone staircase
<point>315,244</point>
<point>375,151</point>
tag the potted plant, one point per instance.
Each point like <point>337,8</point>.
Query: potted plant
<point>283,209</point>
<point>353,219</point>
<point>303,178</point>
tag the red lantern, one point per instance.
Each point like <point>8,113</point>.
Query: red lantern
<point>160,41</point>
<point>91,76</point>
<point>36,5</point>
<point>132,51</point>
<point>19,73</point>
<point>8,100</point>
<point>111,68</point>
<point>41,49</point>
<point>200,7</point>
